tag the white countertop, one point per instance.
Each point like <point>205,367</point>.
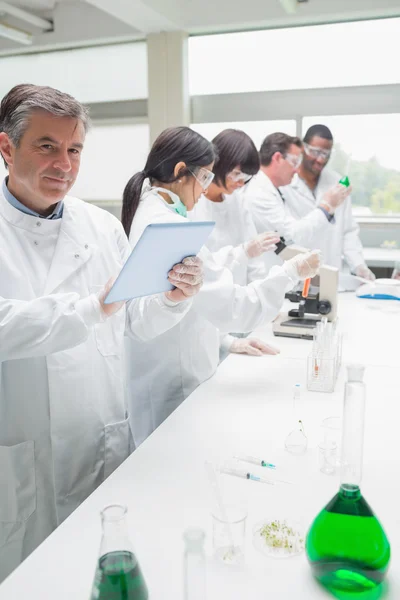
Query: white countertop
<point>246,407</point>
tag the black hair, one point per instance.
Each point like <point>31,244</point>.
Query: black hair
<point>173,145</point>
<point>234,148</point>
<point>277,142</point>
<point>321,131</point>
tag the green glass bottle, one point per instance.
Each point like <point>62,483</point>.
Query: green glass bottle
<point>118,575</point>
<point>346,545</point>
<point>345,181</point>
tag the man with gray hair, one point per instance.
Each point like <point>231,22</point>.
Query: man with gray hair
<point>63,421</point>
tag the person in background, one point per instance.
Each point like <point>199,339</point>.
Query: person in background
<point>223,202</point>
<point>308,190</point>
<point>281,155</point>
<point>177,171</point>
<point>63,416</point>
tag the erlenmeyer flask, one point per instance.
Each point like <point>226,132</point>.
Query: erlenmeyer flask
<point>118,575</point>
<point>346,545</point>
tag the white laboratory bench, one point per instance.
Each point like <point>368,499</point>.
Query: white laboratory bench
<point>246,407</point>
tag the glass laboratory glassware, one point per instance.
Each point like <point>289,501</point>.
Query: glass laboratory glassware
<point>296,441</point>
<point>327,457</point>
<point>345,181</point>
<point>194,584</point>
<point>346,545</point>
<point>229,533</point>
<point>118,575</point>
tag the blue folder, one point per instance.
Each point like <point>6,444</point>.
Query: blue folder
<point>160,247</point>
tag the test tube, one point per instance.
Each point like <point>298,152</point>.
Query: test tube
<point>306,287</point>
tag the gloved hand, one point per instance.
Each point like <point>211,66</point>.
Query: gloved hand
<point>252,346</point>
<point>109,309</point>
<point>260,244</point>
<point>363,271</point>
<point>303,266</point>
<point>396,274</point>
<point>187,277</point>
<point>334,197</point>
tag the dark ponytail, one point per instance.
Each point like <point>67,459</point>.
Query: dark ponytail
<point>131,199</point>
<point>173,145</point>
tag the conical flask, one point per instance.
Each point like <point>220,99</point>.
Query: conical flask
<point>345,181</point>
<point>118,575</point>
<point>346,545</point>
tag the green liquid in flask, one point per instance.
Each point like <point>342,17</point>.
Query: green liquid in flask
<point>119,577</point>
<point>346,546</point>
<point>345,181</point>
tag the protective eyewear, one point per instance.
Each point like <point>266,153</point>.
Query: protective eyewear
<point>294,160</point>
<point>237,176</point>
<point>316,152</point>
<point>203,176</point>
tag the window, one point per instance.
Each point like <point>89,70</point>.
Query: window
<point>97,74</point>
<point>370,141</point>
<point>340,54</point>
<point>112,154</point>
<point>257,130</point>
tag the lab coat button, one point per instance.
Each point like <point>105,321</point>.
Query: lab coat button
<point>76,255</point>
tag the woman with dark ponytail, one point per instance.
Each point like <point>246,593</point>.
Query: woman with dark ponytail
<point>164,371</point>
<point>180,160</point>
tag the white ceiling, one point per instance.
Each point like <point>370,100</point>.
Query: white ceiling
<point>87,22</point>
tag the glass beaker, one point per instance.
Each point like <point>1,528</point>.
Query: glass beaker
<point>346,545</point>
<point>332,433</point>
<point>229,534</point>
<point>327,457</point>
<point>118,575</point>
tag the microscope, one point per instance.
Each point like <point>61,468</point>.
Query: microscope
<point>321,301</point>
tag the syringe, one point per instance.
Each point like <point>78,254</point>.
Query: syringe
<point>244,474</point>
<point>256,461</point>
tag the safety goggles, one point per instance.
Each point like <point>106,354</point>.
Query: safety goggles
<point>294,160</point>
<point>237,176</point>
<point>203,176</point>
<point>316,152</point>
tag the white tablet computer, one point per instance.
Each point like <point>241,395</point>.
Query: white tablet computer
<point>160,247</point>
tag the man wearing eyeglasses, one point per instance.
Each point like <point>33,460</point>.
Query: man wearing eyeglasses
<point>315,186</point>
<point>281,156</point>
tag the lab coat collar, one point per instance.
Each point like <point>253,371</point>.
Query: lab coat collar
<point>302,188</point>
<point>56,214</point>
<point>296,182</point>
<point>266,183</point>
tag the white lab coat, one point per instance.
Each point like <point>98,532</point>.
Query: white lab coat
<point>271,213</point>
<point>63,416</point>
<point>163,372</point>
<point>233,226</point>
<point>339,239</point>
